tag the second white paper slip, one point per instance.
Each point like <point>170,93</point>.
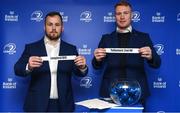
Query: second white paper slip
<point>122,50</point>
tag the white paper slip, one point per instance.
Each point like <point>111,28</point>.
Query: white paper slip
<point>96,104</point>
<point>68,57</point>
<point>122,50</point>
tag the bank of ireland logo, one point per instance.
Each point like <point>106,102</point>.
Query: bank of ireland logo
<point>9,84</point>
<point>177,51</point>
<point>135,16</point>
<point>64,17</point>
<point>159,48</point>
<point>86,82</point>
<point>158,17</point>
<point>109,17</point>
<point>160,83</point>
<point>9,48</point>
<point>11,17</point>
<point>37,16</point>
<point>86,16</point>
<point>85,50</point>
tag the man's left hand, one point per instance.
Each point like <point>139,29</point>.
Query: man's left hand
<point>146,52</point>
<point>80,62</point>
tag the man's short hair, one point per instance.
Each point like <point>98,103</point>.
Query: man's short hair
<point>122,3</point>
<point>54,13</point>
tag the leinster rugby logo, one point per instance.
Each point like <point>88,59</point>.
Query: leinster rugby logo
<point>159,49</point>
<point>86,82</point>
<point>86,16</point>
<point>37,16</point>
<point>9,48</point>
<point>135,16</point>
<point>178,17</point>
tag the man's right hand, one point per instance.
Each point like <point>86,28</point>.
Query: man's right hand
<point>99,54</point>
<point>34,62</point>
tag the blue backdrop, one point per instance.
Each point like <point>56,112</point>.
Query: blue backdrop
<point>21,22</point>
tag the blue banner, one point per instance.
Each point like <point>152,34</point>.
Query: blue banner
<point>22,22</point>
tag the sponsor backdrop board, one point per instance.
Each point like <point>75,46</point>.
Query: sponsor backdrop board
<point>22,22</point>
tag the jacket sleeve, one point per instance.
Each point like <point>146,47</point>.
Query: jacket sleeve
<point>155,62</point>
<point>20,65</point>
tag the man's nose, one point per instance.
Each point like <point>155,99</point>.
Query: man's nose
<point>53,27</point>
<point>122,16</point>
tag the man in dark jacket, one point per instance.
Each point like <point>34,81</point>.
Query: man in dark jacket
<point>50,62</point>
<point>127,65</point>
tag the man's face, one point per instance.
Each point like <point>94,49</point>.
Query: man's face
<point>53,27</point>
<point>123,16</point>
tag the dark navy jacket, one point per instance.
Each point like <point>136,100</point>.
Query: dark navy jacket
<point>39,88</point>
<point>134,62</point>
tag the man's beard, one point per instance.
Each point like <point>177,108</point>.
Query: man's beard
<point>53,38</point>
